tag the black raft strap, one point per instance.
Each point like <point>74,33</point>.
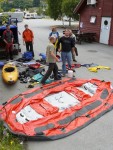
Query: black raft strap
<point>104,94</point>
<point>43,128</point>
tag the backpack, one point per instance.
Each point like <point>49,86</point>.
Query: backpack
<point>27,56</point>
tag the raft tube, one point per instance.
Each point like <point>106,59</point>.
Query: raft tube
<point>58,109</point>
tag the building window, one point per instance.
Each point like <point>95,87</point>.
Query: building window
<point>93,19</point>
<point>105,22</point>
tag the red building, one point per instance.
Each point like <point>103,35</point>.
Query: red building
<point>97,16</point>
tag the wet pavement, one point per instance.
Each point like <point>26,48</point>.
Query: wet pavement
<point>96,136</point>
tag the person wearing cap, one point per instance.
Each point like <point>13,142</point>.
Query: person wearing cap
<point>8,38</point>
<point>51,59</point>
<point>28,38</point>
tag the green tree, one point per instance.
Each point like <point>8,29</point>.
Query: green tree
<point>68,7</point>
<point>39,10</point>
<point>22,4</point>
<point>54,8</point>
<point>12,10</point>
<point>36,3</point>
<point>6,6</point>
<point>1,1</point>
<point>1,10</point>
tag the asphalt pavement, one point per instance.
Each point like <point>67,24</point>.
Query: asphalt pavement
<point>99,134</point>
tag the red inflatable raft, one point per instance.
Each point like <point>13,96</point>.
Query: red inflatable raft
<point>58,109</point>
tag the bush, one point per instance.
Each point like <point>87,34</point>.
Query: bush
<point>9,141</point>
<point>4,19</point>
<point>1,10</point>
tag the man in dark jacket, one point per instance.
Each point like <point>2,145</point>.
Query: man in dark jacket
<point>67,45</point>
<point>8,39</point>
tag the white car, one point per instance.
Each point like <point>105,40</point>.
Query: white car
<point>32,16</point>
<point>27,16</point>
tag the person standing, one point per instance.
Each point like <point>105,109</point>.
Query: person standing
<point>67,45</point>
<point>74,49</point>
<point>55,34</point>
<point>8,38</point>
<point>51,59</point>
<point>28,39</point>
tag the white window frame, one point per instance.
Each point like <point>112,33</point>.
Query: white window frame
<point>93,19</point>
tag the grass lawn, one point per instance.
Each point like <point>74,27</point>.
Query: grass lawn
<point>9,141</point>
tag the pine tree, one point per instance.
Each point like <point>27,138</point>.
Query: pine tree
<point>36,3</point>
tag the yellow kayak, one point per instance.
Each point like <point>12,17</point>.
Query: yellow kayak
<point>10,73</point>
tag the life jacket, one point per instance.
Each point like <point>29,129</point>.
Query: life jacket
<point>95,69</point>
<point>38,77</point>
<point>28,35</point>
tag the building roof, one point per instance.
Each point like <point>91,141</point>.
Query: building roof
<point>80,6</point>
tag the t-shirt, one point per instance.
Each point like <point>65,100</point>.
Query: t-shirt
<point>8,35</point>
<point>67,43</point>
<point>28,35</point>
<point>49,58</point>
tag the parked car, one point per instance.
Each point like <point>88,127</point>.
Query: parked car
<point>18,15</point>
<point>27,16</point>
<point>32,16</point>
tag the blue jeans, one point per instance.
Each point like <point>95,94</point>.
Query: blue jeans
<point>66,56</point>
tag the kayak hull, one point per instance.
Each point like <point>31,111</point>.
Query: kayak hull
<point>10,74</point>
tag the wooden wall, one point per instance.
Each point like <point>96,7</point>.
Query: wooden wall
<point>85,16</point>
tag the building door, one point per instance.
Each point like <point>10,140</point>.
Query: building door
<point>105,30</point>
